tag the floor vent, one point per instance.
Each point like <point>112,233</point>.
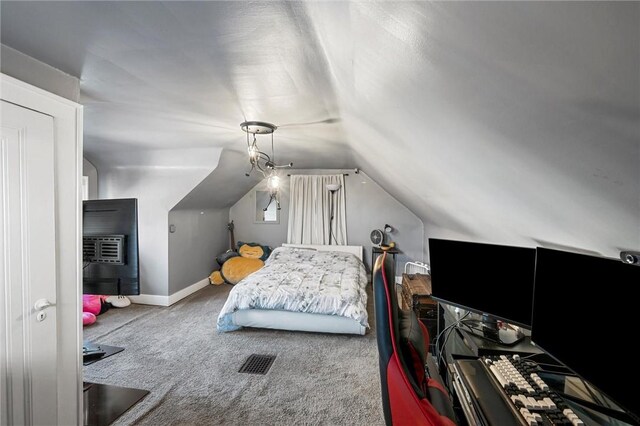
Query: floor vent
<point>257,364</point>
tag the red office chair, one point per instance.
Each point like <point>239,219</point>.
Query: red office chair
<point>410,396</point>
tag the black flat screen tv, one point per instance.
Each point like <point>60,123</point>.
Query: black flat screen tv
<point>110,247</point>
<point>584,315</point>
<point>486,278</point>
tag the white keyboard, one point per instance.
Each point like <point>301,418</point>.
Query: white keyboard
<point>537,404</point>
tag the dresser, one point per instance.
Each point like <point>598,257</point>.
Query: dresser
<point>416,295</point>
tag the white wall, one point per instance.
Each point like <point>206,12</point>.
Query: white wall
<point>68,136</point>
<point>67,122</point>
<point>89,170</point>
<point>368,207</point>
<point>25,68</point>
<point>507,123</point>
<point>200,236</point>
<point>159,179</point>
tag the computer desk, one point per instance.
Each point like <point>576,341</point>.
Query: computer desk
<point>478,399</point>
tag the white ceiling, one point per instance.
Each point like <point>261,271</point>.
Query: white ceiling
<point>514,122</point>
<point>157,75</point>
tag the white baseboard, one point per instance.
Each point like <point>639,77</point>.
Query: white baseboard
<point>179,295</point>
<point>152,299</point>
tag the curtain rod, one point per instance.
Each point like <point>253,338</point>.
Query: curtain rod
<point>343,174</point>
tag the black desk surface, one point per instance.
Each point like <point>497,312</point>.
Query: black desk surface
<point>108,351</point>
<point>464,342</point>
<point>485,396</point>
<point>462,350</point>
<point>103,404</point>
<point>479,346</point>
<point>491,405</point>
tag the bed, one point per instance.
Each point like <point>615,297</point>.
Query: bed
<point>303,288</point>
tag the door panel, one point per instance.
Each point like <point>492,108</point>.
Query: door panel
<point>27,267</point>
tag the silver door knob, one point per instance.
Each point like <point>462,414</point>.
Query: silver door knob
<point>42,304</point>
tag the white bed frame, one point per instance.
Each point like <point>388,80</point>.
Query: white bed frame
<point>297,321</point>
<point>357,250</point>
<point>300,321</point>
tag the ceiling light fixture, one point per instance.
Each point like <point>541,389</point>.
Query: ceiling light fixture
<point>260,160</point>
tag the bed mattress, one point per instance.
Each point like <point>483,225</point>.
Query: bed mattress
<point>301,281</point>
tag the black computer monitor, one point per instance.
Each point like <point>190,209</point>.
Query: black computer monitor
<point>110,247</point>
<point>584,315</point>
<point>485,278</point>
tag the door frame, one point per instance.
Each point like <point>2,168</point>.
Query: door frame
<point>67,123</point>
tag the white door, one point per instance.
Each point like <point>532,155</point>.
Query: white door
<point>27,267</point>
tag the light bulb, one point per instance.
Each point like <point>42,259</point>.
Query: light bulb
<point>253,152</point>
<point>273,182</point>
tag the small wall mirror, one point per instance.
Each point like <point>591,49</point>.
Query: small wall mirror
<point>271,214</point>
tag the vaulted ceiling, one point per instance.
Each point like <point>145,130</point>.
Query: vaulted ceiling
<point>515,122</point>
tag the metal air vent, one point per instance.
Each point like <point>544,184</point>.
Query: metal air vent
<point>107,249</point>
<point>257,364</point>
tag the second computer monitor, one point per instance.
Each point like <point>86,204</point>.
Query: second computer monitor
<point>486,278</point>
<point>585,315</point>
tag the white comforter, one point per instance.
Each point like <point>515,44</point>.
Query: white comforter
<point>302,280</point>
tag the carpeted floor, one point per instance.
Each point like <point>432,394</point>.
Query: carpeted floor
<point>191,369</point>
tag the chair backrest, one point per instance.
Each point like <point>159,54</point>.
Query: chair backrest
<point>402,400</point>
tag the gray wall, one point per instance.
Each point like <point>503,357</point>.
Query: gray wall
<point>18,65</point>
<point>368,207</point>
<point>200,236</point>
<point>159,180</point>
<point>88,169</point>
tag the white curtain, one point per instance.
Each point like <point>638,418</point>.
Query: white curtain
<point>309,213</point>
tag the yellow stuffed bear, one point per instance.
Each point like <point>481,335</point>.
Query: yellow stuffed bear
<point>234,268</point>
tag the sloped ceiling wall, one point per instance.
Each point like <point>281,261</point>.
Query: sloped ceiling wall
<point>222,187</point>
<point>514,122</point>
<point>504,122</point>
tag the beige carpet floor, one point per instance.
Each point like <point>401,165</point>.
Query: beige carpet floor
<point>192,370</point>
